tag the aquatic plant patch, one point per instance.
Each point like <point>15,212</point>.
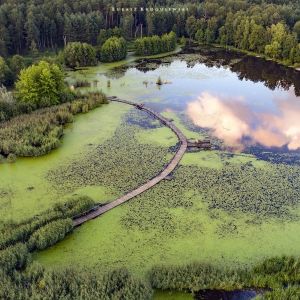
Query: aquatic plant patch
<point>234,188</point>
<point>120,163</point>
<point>181,217</point>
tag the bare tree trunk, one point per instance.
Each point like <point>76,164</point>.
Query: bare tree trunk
<point>106,20</point>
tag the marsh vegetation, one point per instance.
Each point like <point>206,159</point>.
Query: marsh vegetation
<point>223,208</point>
<point>39,132</point>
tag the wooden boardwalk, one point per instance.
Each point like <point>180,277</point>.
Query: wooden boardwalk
<point>146,186</point>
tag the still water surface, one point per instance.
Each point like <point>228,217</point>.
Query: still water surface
<point>247,103</point>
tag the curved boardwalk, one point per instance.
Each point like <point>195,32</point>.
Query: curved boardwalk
<point>162,175</point>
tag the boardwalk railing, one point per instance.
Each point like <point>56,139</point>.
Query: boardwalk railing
<point>169,168</point>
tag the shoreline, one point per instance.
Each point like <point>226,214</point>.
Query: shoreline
<point>257,55</point>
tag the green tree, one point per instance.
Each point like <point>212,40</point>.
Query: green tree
<point>16,63</point>
<point>278,34</point>
<point>200,36</point>
<point>127,25</point>
<point>226,32</point>
<point>149,21</point>
<point>41,85</point>
<point>211,30</point>
<point>297,29</point>
<point>200,33</point>
<point>257,37</point>
<point>273,50</point>
<point>5,72</point>
<point>191,27</point>
<point>113,49</point>
<point>78,54</point>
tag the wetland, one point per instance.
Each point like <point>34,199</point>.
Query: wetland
<point>232,206</point>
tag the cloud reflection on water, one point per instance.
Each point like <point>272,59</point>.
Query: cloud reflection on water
<point>239,125</point>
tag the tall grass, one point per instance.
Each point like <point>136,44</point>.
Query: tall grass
<point>39,132</point>
<point>10,108</point>
<point>274,275</point>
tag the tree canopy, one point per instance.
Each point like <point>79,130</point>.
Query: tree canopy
<point>155,44</point>
<point>79,54</point>
<point>113,49</point>
<point>41,85</point>
<point>5,72</point>
<point>27,26</point>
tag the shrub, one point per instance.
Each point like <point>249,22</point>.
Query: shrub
<point>16,64</point>
<point>78,54</point>
<point>183,41</point>
<point>5,73</point>
<point>81,83</point>
<point>41,85</point>
<point>194,277</point>
<point>74,207</point>
<point>113,49</point>
<point>275,273</point>
<point>14,258</point>
<point>285,293</point>
<point>20,232</point>
<point>155,44</point>
<point>50,234</point>
<point>105,34</point>
<point>7,104</point>
<point>9,107</point>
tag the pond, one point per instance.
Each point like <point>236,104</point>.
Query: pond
<point>233,205</point>
<point>249,104</point>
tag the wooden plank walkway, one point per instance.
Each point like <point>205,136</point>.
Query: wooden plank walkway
<point>146,186</point>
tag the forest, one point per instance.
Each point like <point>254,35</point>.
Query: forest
<point>270,27</point>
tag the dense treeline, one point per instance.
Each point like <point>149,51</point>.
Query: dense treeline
<point>270,28</point>
<point>155,44</point>
<point>27,26</point>
<point>245,32</point>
